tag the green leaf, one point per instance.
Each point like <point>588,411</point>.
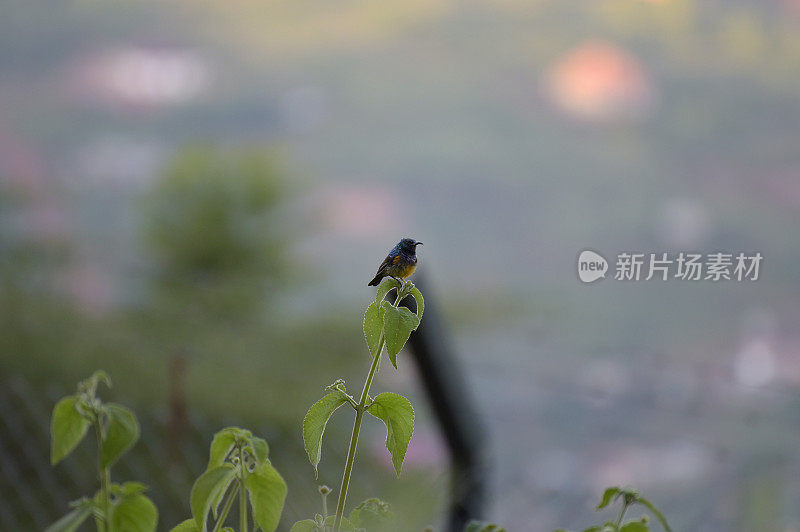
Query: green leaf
<point>656,512</point>
<point>267,494</point>
<point>420,301</point>
<point>221,446</point>
<point>315,421</point>
<point>635,526</point>
<point>220,495</point>
<point>481,526</point>
<point>608,496</point>
<point>90,385</point>
<point>593,529</point>
<point>132,488</point>
<point>260,449</point>
<point>123,431</point>
<point>206,490</point>
<point>190,525</point>
<point>134,513</point>
<point>128,488</point>
<point>398,415</point>
<point>72,521</point>
<point>347,526</point>
<point>306,525</point>
<point>397,326</point>
<point>371,514</point>
<point>373,326</point>
<point>67,428</point>
<point>385,287</point>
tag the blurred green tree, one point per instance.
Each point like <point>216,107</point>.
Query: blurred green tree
<point>218,250</point>
<point>212,229</point>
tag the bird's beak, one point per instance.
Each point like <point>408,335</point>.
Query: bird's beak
<point>419,244</point>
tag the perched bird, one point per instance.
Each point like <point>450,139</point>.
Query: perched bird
<point>399,263</point>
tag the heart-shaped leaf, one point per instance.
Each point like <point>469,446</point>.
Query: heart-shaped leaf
<point>267,491</point>
<point>67,428</point>
<point>315,421</point>
<point>260,449</point>
<point>397,326</point>
<point>221,446</point>
<point>398,415</point>
<point>373,326</point>
<point>206,490</point>
<point>134,513</point>
<point>123,432</point>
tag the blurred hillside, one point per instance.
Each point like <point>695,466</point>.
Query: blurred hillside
<point>508,136</point>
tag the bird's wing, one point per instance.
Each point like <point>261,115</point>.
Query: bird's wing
<point>390,259</point>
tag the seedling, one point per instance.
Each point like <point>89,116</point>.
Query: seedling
<point>115,507</point>
<point>629,498</point>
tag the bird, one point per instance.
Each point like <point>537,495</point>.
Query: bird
<point>399,263</point>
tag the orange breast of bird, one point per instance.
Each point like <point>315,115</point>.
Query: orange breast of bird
<point>406,270</point>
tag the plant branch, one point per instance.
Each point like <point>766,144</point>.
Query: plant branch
<point>352,402</point>
<point>243,495</point>
<point>622,512</point>
<point>102,473</point>
<point>360,409</point>
<point>227,507</point>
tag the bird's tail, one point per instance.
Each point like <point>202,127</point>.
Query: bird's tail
<point>376,281</point>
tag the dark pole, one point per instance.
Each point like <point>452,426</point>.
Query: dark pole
<point>454,409</point>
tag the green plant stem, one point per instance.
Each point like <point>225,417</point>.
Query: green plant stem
<point>104,475</point>
<point>362,406</point>
<point>226,508</point>
<point>351,453</point>
<point>243,496</point>
<point>622,513</point>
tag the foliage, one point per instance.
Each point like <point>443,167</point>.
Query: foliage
<point>385,325</point>
<point>115,507</point>
<point>239,466</point>
<point>629,497</point>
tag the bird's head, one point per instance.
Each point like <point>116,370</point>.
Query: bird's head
<point>409,245</point>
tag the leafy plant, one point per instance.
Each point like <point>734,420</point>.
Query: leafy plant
<point>386,325</point>
<point>239,466</point>
<point>115,507</point>
<point>629,497</point>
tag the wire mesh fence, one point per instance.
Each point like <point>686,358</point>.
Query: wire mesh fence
<point>170,454</point>
<point>34,494</point>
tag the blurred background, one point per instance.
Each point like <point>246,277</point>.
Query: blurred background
<point>193,196</point>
